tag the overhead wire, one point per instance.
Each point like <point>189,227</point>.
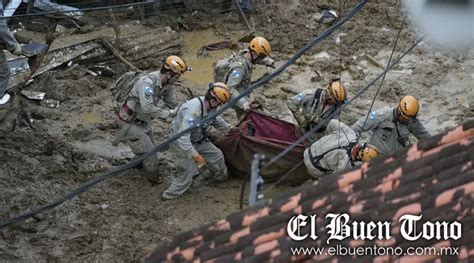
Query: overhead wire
<point>383,78</point>
<point>115,8</point>
<point>206,120</point>
<point>318,39</point>
<point>325,121</point>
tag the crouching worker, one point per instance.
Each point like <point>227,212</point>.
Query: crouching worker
<point>138,95</point>
<point>310,107</point>
<point>391,126</point>
<point>193,150</point>
<point>337,151</point>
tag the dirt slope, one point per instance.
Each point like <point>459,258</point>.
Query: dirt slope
<point>122,217</point>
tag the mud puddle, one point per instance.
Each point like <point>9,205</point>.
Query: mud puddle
<point>201,64</point>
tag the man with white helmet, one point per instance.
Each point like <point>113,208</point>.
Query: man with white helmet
<point>391,126</point>
<point>337,151</point>
<point>194,150</point>
<point>142,93</point>
<point>236,70</point>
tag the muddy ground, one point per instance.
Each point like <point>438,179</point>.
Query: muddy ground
<point>121,219</point>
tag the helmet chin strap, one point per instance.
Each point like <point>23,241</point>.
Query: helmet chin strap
<point>254,60</point>
<point>354,152</point>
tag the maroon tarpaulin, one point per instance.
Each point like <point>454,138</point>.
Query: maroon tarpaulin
<point>260,133</point>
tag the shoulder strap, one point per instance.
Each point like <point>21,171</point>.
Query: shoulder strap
<point>399,139</point>
<point>202,107</point>
<point>230,61</point>
<point>315,159</point>
<point>317,95</point>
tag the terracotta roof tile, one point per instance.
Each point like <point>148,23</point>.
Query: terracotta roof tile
<point>434,178</point>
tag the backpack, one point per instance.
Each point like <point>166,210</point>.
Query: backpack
<point>123,85</point>
<point>221,69</point>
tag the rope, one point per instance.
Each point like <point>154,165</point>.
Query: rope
<point>107,8</point>
<point>325,121</point>
<point>318,39</point>
<point>383,78</point>
<point>205,120</point>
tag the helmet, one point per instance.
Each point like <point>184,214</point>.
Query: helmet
<point>220,92</point>
<point>408,107</point>
<point>261,46</point>
<point>175,64</point>
<point>366,152</point>
<point>337,91</point>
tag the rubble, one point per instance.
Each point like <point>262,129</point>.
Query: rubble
<point>72,143</point>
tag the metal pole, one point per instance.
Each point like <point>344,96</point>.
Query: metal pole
<point>254,175</point>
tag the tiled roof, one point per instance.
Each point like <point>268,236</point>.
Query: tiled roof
<point>434,178</point>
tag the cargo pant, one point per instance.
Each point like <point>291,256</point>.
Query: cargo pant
<point>139,138</point>
<point>187,168</point>
<point>4,73</point>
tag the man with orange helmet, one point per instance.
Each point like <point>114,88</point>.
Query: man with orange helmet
<point>337,151</point>
<point>193,150</point>
<point>138,94</point>
<point>236,70</point>
<point>311,106</point>
<point>391,126</point>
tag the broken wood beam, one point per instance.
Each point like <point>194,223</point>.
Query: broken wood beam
<point>116,53</point>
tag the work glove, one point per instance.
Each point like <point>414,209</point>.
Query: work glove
<point>270,63</point>
<point>233,130</point>
<point>255,105</point>
<point>17,51</point>
<point>200,162</point>
<point>246,107</point>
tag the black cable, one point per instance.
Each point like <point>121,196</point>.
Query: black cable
<point>101,8</point>
<point>306,135</point>
<point>325,121</point>
<point>209,5</point>
<point>313,42</point>
<point>205,120</point>
<point>384,73</point>
<point>383,78</point>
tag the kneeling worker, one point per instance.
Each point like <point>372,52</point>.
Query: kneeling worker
<point>337,151</point>
<point>194,151</point>
<point>391,126</point>
<point>311,106</point>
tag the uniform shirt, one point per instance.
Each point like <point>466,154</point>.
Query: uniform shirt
<point>147,91</point>
<point>383,125</point>
<point>190,113</point>
<point>6,36</point>
<point>338,134</point>
<point>239,74</point>
<point>307,110</point>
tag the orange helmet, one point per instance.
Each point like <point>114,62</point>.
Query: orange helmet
<point>220,92</point>
<point>175,64</point>
<point>364,152</point>
<point>260,46</point>
<point>337,91</point>
<point>408,107</point>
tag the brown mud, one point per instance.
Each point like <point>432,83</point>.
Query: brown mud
<point>121,218</point>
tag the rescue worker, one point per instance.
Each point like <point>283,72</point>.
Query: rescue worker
<point>10,44</point>
<point>391,126</point>
<point>337,151</point>
<point>236,70</point>
<point>311,106</point>
<point>144,91</point>
<point>193,150</point>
